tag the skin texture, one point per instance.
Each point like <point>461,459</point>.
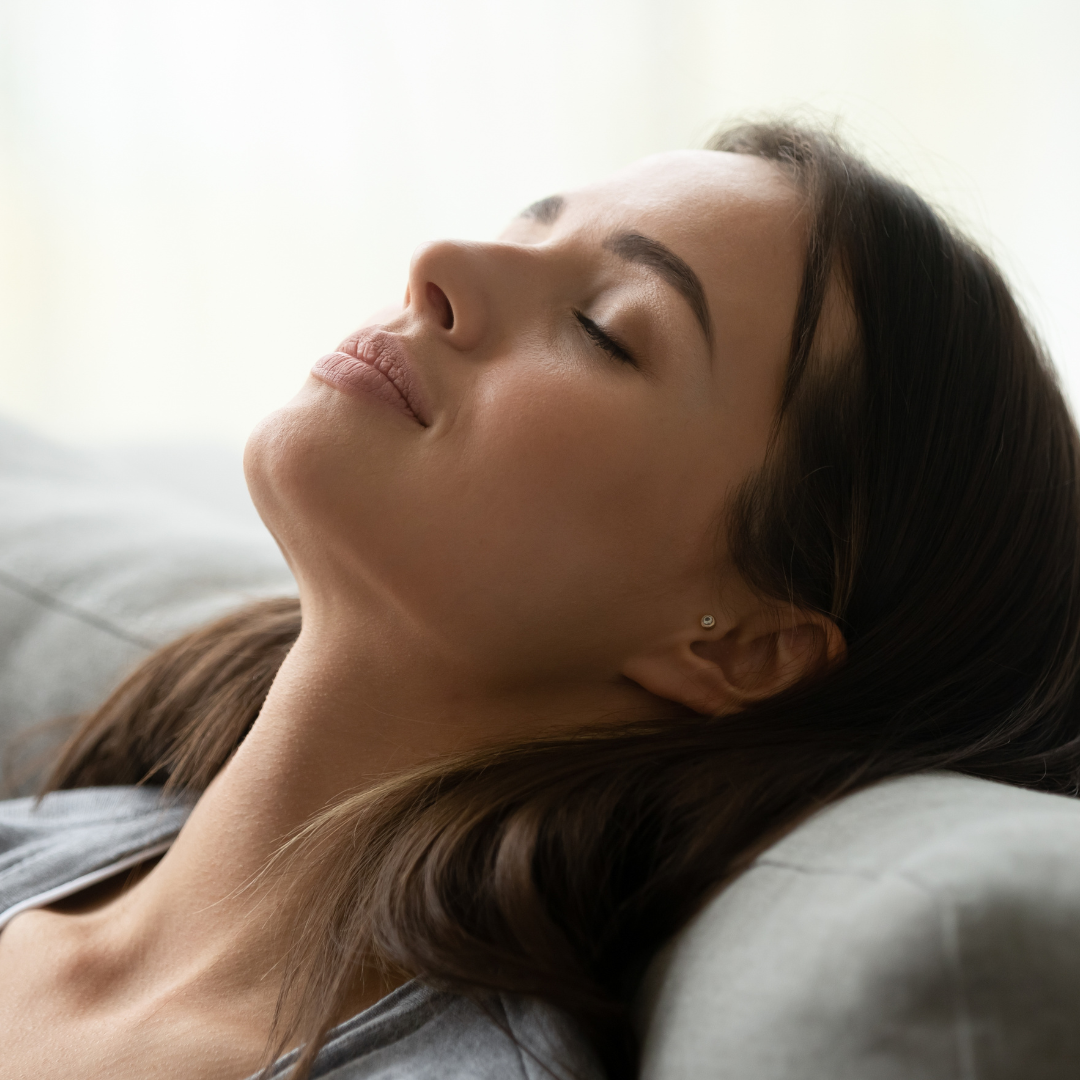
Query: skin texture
<point>536,556</point>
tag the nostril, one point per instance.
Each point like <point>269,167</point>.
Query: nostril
<point>440,304</point>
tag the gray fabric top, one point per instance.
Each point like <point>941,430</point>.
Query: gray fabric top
<point>73,838</point>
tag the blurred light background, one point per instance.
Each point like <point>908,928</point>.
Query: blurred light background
<point>198,199</point>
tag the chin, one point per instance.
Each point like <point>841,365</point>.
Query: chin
<point>288,460</point>
<point>319,477</point>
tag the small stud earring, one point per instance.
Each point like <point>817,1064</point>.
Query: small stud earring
<point>708,622</point>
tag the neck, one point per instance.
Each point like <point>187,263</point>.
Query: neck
<point>338,719</point>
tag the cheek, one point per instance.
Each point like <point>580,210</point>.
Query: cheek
<point>560,508</point>
<point>549,519</point>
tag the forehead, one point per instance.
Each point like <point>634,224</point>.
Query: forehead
<point>682,193</point>
<point>713,183</point>
<point>727,215</point>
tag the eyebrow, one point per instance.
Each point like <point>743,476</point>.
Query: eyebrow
<point>643,250</point>
<point>546,210</point>
<point>635,248</point>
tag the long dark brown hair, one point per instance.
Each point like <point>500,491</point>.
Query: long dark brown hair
<point>920,489</point>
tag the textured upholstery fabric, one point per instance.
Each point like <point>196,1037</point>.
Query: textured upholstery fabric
<point>95,572</point>
<point>927,927</point>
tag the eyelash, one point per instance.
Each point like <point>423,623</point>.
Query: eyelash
<point>605,341</point>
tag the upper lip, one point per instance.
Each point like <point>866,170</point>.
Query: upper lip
<point>386,353</point>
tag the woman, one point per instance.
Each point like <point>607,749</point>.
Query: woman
<point>702,497</point>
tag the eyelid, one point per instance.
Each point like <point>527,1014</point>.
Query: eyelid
<point>611,345</point>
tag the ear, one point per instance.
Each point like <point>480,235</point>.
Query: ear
<point>746,662</point>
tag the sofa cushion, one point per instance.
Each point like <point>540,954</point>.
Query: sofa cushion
<point>925,927</point>
<point>96,570</point>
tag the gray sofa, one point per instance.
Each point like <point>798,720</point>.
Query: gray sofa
<point>924,928</point>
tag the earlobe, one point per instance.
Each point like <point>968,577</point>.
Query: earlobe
<point>714,676</point>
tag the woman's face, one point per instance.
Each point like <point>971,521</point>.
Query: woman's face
<point>536,491</point>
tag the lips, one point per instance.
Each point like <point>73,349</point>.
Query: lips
<point>373,362</point>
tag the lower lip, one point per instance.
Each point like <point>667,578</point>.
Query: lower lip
<point>359,378</point>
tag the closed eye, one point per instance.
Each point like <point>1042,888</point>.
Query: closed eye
<point>601,337</point>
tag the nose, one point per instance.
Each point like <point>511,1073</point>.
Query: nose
<point>451,285</point>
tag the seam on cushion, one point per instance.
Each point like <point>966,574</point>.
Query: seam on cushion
<point>950,948</point>
<point>39,596</point>
<point>826,871</point>
<point>965,1043</point>
<point>830,871</point>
